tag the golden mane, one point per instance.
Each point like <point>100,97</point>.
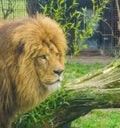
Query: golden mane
<point>31,64</point>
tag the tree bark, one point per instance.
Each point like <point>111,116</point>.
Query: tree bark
<point>97,90</point>
<point>32,7</point>
<point>118,22</point>
<point>118,11</point>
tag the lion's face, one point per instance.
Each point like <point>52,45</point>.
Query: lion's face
<point>49,67</point>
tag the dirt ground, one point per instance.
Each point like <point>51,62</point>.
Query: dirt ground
<point>90,59</point>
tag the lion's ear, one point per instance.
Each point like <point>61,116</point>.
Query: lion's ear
<point>20,47</point>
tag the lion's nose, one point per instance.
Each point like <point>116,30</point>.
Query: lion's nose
<point>58,72</point>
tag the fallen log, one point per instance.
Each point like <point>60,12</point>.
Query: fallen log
<point>100,89</point>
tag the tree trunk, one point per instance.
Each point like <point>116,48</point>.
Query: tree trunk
<point>32,7</point>
<point>118,11</point>
<point>100,89</point>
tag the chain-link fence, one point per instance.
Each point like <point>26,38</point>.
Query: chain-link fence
<point>12,9</point>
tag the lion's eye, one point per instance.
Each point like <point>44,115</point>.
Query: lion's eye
<point>44,57</point>
<point>57,54</point>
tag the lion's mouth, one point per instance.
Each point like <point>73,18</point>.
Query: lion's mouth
<point>56,81</point>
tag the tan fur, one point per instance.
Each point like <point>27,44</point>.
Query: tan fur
<point>31,51</point>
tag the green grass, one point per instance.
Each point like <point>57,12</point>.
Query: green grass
<point>75,70</point>
<point>109,118</point>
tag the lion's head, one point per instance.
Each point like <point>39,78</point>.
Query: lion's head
<point>32,54</point>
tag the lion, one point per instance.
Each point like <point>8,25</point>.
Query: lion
<point>32,55</point>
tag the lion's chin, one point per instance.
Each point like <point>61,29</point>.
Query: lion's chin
<point>53,87</point>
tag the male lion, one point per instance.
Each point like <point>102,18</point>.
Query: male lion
<point>31,64</point>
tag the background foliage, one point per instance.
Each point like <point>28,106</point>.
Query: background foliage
<point>74,20</point>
